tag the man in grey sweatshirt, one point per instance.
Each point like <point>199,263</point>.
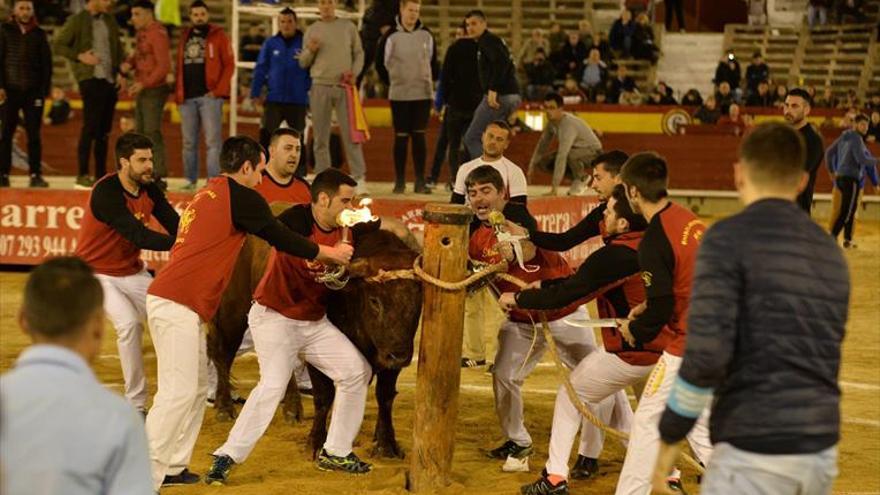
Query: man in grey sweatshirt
<point>578,146</point>
<point>334,56</point>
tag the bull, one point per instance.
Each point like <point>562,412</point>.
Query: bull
<point>380,319</point>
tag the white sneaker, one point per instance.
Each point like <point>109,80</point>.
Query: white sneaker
<point>514,465</point>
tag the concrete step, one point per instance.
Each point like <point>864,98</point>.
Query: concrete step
<point>689,61</point>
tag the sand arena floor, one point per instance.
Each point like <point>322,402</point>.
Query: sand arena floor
<point>281,463</point>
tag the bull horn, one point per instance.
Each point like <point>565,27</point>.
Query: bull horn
<point>359,268</point>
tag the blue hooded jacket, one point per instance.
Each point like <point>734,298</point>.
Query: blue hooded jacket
<point>278,68</point>
<point>849,157</point>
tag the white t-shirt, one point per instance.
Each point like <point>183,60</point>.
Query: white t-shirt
<point>513,176</point>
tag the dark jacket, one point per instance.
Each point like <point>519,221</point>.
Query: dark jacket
<point>75,37</point>
<point>278,68</point>
<point>459,78</point>
<point>571,59</point>
<point>755,74</point>
<point>621,35</point>
<point>26,59</point>
<point>732,76</point>
<point>756,100</point>
<point>541,74</point>
<point>497,72</point>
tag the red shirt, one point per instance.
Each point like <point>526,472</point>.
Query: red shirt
<point>296,191</point>
<point>204,253</point>
<point>550,266</point>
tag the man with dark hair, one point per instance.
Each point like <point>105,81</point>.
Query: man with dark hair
<point>288,319</point>
<point>737,333</point>
<point>280,182</point>
<point>496,139</point>
<point>577,146</point>
<point>25,82</point>
<point>518,353</point>
<point>186,295</point>
<point>796,110</point>
<point>609,275</point>
<point>91,41</point>
<point>756,72</point>
<point>150,63</point>
<point>849,161</point>
<point>112,234</point>
<point>666,259</point>
<point>497,78</point>
<point>205,64</point>
<point>286,81</point>
<point>52,404</point>
<point>406,61</point>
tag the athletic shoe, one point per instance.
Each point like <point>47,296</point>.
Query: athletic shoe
<point>84,182</point>
<point>4,181</point>
<point>37,181</point>
<point>510,449</point>
<point>399,189</point>
<point>472,363</point>
<point>184,478</point>
<point>219,473</point>
<point>544,487</point>
<point>584,468</point>
<point>849,245</point>
<point>675,485</point>
<point>431,184</point>
<point>349,464</point>
<point>422,189</point>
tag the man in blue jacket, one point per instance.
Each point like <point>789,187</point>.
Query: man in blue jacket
<point>849,161</point>
<point>288,84</point>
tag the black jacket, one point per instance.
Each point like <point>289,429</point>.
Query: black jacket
<point>26,59</point>
<point>459,78</point>
<point>767,317</point>
<point>495,63</point>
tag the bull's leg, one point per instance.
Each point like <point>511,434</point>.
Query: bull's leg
<point>292,406</point>
<point>323,393</point>
<point>221,356</point>
<point>386,441</point>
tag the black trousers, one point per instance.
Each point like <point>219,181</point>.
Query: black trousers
<point>99,103</point>
<point>676,7</point>
<point>456,123</point>
<point>295,116</point>
<point>440,152</point>
<point>410,119</point>
<point>30,103</point>
<point>849,202</point>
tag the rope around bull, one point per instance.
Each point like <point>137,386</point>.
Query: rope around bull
<point>498,270</point>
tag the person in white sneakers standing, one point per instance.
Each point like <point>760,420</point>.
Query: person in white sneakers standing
<point>112,234</point>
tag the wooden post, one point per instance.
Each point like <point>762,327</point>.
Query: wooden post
<point>439,372</point>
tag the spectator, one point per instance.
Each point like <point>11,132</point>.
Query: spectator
<point>874,127</point>
<point>676,7</point>
<point>811,90</point>
<point>204,72</point>
<point>851,8</point>
<point>762,97</point>
<point>60,111</point>
<point>25,80</point>
<point>540,74</point>
<point>92,43</point>
<point>287,82</point>
<point>497,78</point>
<point>600,97</point>
<point>571,93</point>
<point>595,73</point>
<point>850,100</point>
<point>708,113</point>
<point>571,56</point>
<point>378,19</point>
<point>333,55</point>
<point>251,43</point>
<point>150,64</point>
<point>57,401</point>
<point>849,161</point>
<point>827,100</point>
<point>734,120</point>
<point>407,62</point>
<point>757,12</point>
<point>637,6</point>
<point>665,90</point>
<point>728,71</point>
<point>873,102</point>
<point>621,82</point>
<point>779,97</point>
<point>817,10</point>
<point>622,33</point>
<point>604,47</point>
<point>756,72</point>
<point>531,46</point>
<point>556,37</point>
<point>585,33</point>
<point>661,95</point>
<point>724,97</point>
<point>630,98</point>
<point>643,47</point>
<point>692,98</point>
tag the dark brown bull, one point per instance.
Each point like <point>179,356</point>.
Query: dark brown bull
<point>380,318</point>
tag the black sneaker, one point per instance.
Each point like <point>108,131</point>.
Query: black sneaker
<point>584,468</point>
<point>219,473</point>
<point>84,182</point>
<point>544,487</point>
<point>849,245</point>
<point>349,464</point>
<point>184,478</point>
<point>307,391</point>
<point>510,449</point>
<point>472,363</point>
<point>37,181</point>
<point>399,189</point>
<point>422,189</point>
<point>4,181</point>
<point>431,183</point>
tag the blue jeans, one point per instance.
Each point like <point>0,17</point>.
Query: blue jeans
<point>483,116</point>
<point>203,112</point>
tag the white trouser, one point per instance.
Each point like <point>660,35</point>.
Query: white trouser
<point>519,351</point>
<point>282,343</point>
<point>598,376</point>
<point>125,303</point>
<point>176,416</point>
<point>734,471</point>
<point>644,441</point>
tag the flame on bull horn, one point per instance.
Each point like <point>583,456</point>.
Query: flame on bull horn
<point>351,217</point>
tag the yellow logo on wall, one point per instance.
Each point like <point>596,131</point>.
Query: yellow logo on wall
<point>674,119</point>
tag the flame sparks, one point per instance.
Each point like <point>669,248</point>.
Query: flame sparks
<point>349,218</point>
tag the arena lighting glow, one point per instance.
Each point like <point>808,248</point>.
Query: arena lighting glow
<point>535,120</point>
<point>350,217</point>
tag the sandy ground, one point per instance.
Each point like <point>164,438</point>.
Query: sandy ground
<point>281,464</point>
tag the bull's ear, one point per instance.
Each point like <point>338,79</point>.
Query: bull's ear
<point>359,268</point>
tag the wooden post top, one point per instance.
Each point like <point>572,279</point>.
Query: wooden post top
<point>447,213</point>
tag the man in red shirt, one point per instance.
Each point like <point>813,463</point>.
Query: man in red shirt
<point>186,294</point>
<point>289,324</point>
<point>112,234</point>
<point>519,351</point>
<point>279,182</point>
<point>666,257</point>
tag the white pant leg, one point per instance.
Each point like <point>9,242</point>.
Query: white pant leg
<point>193,423</point>
<point>179,341</point>
<point>329,350</point>
<point>125,301</point>
<point>599,376</point>
<point>301,373</point>
<point>275,340</point>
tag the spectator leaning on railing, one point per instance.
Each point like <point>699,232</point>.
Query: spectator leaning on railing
<point>708,113</point>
